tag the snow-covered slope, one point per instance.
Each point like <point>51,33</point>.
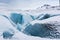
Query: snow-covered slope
<point>23,17</point>
<point>37,24</point>
<point>6,26</point>
<point>21,36</point>
<point>20,19</point>
<point>47,28</point>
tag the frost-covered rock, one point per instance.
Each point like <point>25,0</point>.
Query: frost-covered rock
<point>49,28</point>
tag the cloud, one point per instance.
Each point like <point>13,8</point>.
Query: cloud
<point>3,6</point>
<point>27,4</point>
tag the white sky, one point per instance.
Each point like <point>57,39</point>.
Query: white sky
<point>26,4</point>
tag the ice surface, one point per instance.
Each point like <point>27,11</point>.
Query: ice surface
<point>21,36</point>
<point>6,26</point>
<point>7,34</point>
<point>44,28</point>
<point>41,25</point>
<point>44,16</point>
<point>20,19</point>
<point>17,18</point>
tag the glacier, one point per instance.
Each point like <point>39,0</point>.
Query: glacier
<point>6,28</point>
<point>48,28</point>
<point>30,26</point>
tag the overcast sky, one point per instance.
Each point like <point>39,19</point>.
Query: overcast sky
<point>26,4</point>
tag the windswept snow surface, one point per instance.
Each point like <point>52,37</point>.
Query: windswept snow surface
<point>48,28</point>
<point>6,26</point>
<point>34,24</point>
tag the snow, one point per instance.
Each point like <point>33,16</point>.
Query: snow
<point>51,19</point>
<point>43,28</point>
<point>32,18</point>
<point>17,18</point>
<point>21,36</point>
<point>5,25</point>
<point>20,19</point>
